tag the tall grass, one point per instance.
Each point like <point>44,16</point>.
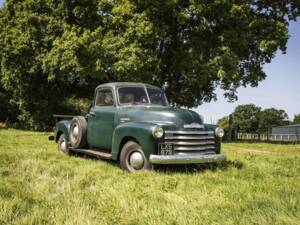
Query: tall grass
<point>259,184</point>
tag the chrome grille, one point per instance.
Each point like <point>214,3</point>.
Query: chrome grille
<point>191,141</point>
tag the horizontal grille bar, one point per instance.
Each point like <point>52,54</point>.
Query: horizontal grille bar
<point>185,137</point>
<point>193,148</point>
<point>189,132</point>
<point>187,141</point>
<point>193,143</point>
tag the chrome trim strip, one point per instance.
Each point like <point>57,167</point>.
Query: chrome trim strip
<point>187,132</point>
<point>191,148</point>
<point>208,152</point>
<point>186,159</point>
<point>189,137</point>
<point>124,119</point>
<point>192,143</point>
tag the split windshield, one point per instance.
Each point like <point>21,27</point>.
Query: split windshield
<point>138,96</point>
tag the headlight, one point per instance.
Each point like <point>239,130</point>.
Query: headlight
<point>219,132</point>
<point>158,132</point>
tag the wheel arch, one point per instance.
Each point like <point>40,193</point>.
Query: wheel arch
<point>124,141</point>
<point>59,133</point>
<point>62,127</point>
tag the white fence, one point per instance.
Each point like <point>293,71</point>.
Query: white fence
<point>268,137</point>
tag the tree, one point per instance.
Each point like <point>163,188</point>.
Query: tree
<point>224,122</point>
<point>271,117</point>
<point>8,109</point>
<point>39,71</point>
<point>296,119</point>
<point>246,118</point>
<point>51,51</point>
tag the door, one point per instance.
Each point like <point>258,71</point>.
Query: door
<point>101,119</point>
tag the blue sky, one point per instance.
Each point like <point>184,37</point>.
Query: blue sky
<point>281,89</point>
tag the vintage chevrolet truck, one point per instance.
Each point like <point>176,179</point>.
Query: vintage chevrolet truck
<point>134,124</point>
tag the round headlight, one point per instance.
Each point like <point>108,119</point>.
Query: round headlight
<point>219,132</point>
<point>158,132</point>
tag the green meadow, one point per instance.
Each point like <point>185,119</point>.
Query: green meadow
<point>258,184</point>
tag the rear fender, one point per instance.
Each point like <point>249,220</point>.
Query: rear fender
<point>62,126</point>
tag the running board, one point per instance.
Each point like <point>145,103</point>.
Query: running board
<point>98,154</point>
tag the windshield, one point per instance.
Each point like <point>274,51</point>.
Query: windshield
<point>138,95</point>
<point>132,95</point>
<point>157,96</point>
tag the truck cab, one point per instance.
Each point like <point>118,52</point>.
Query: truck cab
<point>134,124</point>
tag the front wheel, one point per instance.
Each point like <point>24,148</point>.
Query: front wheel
<point>132,158</point>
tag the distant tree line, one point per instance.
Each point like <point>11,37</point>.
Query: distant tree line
<point>54,53</point>
<point>250,118</point>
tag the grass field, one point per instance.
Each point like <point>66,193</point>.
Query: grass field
<point>259,184</point>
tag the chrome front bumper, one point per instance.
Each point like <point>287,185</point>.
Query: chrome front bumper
<point>186,159</point>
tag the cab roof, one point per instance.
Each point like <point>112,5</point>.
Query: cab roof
<point>120,84</point>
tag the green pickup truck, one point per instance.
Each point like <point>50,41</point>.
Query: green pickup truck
<point>134,124</point>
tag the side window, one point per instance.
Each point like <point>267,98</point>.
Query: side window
<point>104,98</point>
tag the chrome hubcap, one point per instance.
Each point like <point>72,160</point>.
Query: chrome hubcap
<point>63,145</point>
<point>136,160</point>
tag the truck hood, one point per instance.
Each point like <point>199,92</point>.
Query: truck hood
<point>164,116</point>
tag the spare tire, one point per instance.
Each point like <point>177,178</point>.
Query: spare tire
<point>78,130</point>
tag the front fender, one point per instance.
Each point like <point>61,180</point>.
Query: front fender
<point>62,126</point>
<point>142,132</point>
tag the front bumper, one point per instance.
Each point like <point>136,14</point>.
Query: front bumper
<point>186,159</point>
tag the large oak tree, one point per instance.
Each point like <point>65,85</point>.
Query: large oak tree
<point>51,51</point>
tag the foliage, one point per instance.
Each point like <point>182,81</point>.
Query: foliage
<point>8,108</point>
<point>246,118</point>
<point>224,122</point>
<point>40,185</point>
<point>271,117</point>
<point>251,119</point>
<point>54,50</point>
<point>296,119</point>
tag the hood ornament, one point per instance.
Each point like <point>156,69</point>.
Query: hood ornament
<point>193,125</point>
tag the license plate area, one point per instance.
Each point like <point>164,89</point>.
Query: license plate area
<point>166,148</point>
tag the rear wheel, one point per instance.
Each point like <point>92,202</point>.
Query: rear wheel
<point>78,130</point>
<point>62,144</point>
<point>132,158</point>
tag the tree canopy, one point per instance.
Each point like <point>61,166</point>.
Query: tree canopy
<point>54,51</point>
<point>250,118</point>
<point>296,119</point>
<point>224,122</point>
<point>246,118</point>
<point>270,118</point>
